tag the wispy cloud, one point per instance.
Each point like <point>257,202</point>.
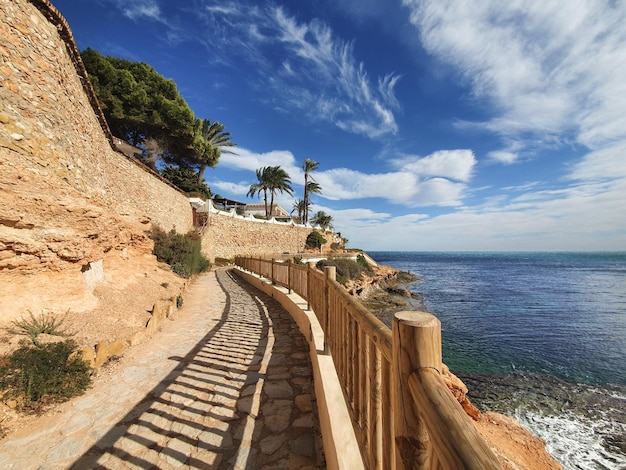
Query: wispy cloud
<point>552,73</point>
<point>305,67</point>
<point>140,9</point>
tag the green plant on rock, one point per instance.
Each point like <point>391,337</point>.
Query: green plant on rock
<point>364,264</point>
<point>37,375</point>
<point>315,240</point>
<point>34,326</point>
<point>346,268</point>
<point>181,252</point>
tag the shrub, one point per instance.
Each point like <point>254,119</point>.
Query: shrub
<point>181,252</point>
<point>35,326</point>
<point>41,374</point>
<point>346,268</point>
<point>364,264</point>
<point>315,239</point>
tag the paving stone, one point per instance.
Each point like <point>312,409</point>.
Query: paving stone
<point>280,389</point>
<point>271,444</point>
<point>69,447</point>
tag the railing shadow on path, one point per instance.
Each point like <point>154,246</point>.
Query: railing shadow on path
<point>206,413</point>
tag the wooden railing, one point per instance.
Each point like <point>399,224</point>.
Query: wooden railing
<point>403,414</point>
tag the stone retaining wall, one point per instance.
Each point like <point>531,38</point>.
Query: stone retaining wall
<point>225,237</point>
<point>51,125</point>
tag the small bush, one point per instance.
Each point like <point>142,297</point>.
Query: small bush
<point>315,239</point>
<point>346,268</point>
<point>364,264</point>
<point>34,326</point>
<point>179,301</point>
<point>181,252</point>
<point>42,374</point>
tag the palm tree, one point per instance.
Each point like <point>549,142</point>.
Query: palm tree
<point>261,187</point>
<point>278,181</point>
<point>271,179</point>
<point>299,206</point>
<point>308,166</point>
<point>213,140</point>
<point>322,219</point>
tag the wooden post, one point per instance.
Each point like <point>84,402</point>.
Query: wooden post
<point>416,344</point>
<point>331,275</point>
<point>272,271</point>
<point>289,265</point>
<point>310,266</point>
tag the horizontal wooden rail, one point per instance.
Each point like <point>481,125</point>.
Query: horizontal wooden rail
<point>402,412</point>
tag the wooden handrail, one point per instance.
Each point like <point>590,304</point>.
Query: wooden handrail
<point>403,414</point>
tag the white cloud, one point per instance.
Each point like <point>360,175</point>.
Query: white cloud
<point>453,164</point>
<point>139,9</point>
<point>292,57</point>
<point>553,73</point>
<point>582,217</point>
<point>503,156</point>
<point>435,180</point>
<point>248,160</point>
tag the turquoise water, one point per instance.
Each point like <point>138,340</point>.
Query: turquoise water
<point>539,336</point>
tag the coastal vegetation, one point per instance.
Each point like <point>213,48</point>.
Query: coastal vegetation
<point>315,240</point>
<point>146,110</point>
<point>45,369</point>
<point>181,252</point>
<point>310,187</point>
<point>271,179</point>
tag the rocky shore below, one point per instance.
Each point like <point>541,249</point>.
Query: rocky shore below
<point>385,292</point>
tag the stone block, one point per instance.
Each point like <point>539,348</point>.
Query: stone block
<point>117,348</point>
<point>101,353</point>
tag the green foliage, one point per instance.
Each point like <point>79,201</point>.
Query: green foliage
<point>315,239</point>
<point>346,268</point>
<point>322,219</point>
<point>34,326</point>
<point>187,180</point>
<point>139,103</point>
<point>179,301</point>
<point>271,179</point>
<point>41,374</point>
<point>181,252</point>
<point>364,264</point>
<point>146,109</point>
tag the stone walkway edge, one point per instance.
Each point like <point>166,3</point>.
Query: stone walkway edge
<point>341,447</point>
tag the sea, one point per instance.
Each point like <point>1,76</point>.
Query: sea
<point>540,337</point>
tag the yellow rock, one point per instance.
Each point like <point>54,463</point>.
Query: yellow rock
<point>116,348</point>
<point>101,353</point>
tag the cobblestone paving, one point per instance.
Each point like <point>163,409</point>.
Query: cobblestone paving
<point>227,384</point>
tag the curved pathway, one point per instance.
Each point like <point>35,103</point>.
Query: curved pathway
<point>226,384</point>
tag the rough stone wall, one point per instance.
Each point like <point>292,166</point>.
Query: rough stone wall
<point>226,237</point>
<point>67,197</point>
<point>50,127</point>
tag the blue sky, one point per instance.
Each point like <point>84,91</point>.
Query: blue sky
<point>437,124</point>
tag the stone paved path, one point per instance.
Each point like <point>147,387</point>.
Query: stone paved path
<point>226,384</point>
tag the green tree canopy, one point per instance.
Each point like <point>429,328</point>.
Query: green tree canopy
<point>139,103</point>
<point>187,180</point>
<point>146,109</point>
